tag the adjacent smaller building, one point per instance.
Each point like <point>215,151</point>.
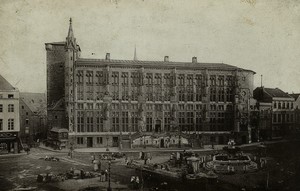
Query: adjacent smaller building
<point>297,111</point>
<point>32,117</point>
<point>276,112</point>
<point>9,117</point>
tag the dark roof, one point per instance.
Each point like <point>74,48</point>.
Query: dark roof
<point>140,63</point>
<point>276,92</point>
<point>35,101</point>
<point>5,85</point>
<point>59,130</point>
<point>295,95</point>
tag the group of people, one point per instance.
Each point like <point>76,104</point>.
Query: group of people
<point>177,158</point>
<point>97,168</point>
<point>135,182</point>
<point>145,156</point>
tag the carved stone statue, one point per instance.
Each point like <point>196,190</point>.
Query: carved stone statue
<point>106,111</point>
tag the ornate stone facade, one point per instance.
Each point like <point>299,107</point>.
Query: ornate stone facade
<point>108,101</point>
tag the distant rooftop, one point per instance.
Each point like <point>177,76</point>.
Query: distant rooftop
<point>35,101</point>
<point>295,95</point>
<point>276,92</point>
<point>5,85</point>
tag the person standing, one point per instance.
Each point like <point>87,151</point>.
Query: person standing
<point>96,167</point>
<point>99,165</point>
<point>71,151</point>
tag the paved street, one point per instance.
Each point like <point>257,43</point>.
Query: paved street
<point>21,170</point>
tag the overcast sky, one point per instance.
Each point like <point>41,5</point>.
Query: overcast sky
<point>260,35</point>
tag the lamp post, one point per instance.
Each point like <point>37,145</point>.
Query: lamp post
<point>179,141</point>
<point>107,149</point>
<point>109,188</point>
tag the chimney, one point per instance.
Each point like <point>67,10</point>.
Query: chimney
<point>166,59</point>
<point>194,59</point>
<point>107,56</point>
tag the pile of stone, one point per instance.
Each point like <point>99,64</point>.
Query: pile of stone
<point>71,174</point>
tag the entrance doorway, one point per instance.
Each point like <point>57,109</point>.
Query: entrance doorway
<point>244,139</point>
<point>89,141</point>
<point>221,140</point>
<point>115,141</point>
<point>162,143</point>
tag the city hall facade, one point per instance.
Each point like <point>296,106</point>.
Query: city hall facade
<point>128,103</point>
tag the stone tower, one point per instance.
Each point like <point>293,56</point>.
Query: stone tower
<point>61,57</point>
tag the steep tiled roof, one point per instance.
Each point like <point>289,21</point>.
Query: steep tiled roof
<point>5,85</point>
<point>140,63</point>
<point>35,101</point>
<point>275,92</point>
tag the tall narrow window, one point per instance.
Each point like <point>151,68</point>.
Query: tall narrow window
<point>11,108</point>
<point>124,77</point>
<point>115,122</point>
<point>190,94</point>
<point>115,78</point>
<point>10,124</point>
<point>134,121</point>
<point>198,121</point>
<point>80,121</point>
<point>181,94</point>
<point>125,121</point>
<point>1,124</point>
<point>213,94</point>
<point>99,122</point>
<point>134,86</point>
<point>181,79</point>
<point>221,95</point>
<point>181,121</point>
<point>80,77</point>
<point>190,121</point>
<point>213,80</point>
<point>89,77</point>
<point>149,121</point>
<point>167,121</point>
<point>221,80</point>
<point>157,79</point>
<point>89,121</point>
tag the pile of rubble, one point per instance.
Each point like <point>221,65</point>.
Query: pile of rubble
<point>49,158</point>
<point>71,174</point>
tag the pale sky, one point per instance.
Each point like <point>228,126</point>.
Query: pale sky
<point>260,35</point>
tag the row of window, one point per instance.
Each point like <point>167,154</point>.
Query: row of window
<point>10,108</point>
<point>120,121</point>
<point>10,124</point>
<point>282,118</point>
<point>157,107</point>
<point>8,96</point>
<point>167,79</point>
<point>158,94</point>
<point>283,105</point>
<point>80,140</point>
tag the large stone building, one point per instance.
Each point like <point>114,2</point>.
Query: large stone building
<point>108,102</point>
<point>276,112</point>
<point>9,117</point>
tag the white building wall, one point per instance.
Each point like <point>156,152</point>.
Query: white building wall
<point>5,115</point>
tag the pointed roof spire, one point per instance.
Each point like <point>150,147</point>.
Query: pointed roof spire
<point>70,33</point>
<point>135,56</point>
